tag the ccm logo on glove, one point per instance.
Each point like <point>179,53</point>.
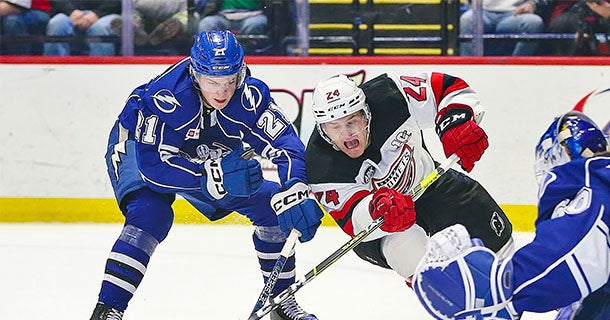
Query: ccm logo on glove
<point>284,200</point>
<point>214,182</point>
<point>296,210</point>
<point>454,116</point>
<point>461,135</point>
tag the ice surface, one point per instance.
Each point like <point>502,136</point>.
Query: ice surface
<point>53,271</point>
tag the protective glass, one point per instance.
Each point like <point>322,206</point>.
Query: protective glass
<point>548,158</point>
<point>352,125</point>
<point>550,151</point>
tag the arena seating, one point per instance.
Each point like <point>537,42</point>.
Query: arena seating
<point>377,27</point>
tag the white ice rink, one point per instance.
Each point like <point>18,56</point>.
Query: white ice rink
<point>53,271</point>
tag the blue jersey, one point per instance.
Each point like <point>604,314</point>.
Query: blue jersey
<point>570,255</point>
<point>175,133</point>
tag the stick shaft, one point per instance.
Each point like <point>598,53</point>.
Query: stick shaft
<point>277,269</point>
<point>415,192</point>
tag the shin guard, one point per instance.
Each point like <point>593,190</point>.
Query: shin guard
<point>268,242</point>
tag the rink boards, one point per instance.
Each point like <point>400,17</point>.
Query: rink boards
<point>52,166</point>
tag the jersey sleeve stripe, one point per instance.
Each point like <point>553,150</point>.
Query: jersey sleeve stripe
<point>344,216</point>
<point>579,276</point>
<point>588,241</point>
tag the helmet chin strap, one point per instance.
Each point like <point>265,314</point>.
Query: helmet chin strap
<point>368,134</point>
<point>326,137</point>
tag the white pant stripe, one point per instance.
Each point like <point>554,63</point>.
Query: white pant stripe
<point>123,284</point>
<point>283,275</point>
<point>128,261</point>
<point>268,256</point>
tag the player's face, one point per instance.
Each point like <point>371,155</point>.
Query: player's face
<point>349,133</point>
<point>217,91</point>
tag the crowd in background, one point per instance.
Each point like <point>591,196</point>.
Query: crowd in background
<point>94,27</point>
<point>167,27</point>
<point>583,18</point>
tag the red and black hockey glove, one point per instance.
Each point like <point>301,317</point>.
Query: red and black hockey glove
<point>397,209</point>
<point>461,135</point>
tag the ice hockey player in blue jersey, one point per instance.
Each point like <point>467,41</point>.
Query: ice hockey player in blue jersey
<point>567,265</point>
<point>190,131</point>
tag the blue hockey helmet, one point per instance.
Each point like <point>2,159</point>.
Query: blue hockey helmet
<point>571,136</point>
<point>217,53</point>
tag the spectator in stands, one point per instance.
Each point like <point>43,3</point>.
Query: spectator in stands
<point>90,18</point>
<point>23,18</point>
<point>156,21</point>
<point>602,8</point>
<point>504,17</point>
<point>243,17</point>
<point>581,17</point>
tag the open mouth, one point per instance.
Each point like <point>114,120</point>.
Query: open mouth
<point>351,144</point>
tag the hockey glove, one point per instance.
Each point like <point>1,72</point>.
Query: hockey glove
<point>461,135</point>
<point>398,210</point>
<point>232,175</point>
<point>296,209</point>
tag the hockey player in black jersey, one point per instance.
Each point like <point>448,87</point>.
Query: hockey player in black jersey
<point>368,151</point>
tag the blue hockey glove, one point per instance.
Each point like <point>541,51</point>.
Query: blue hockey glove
<point>232,175</point>
<point>296,209</point>
<point>461,279</point>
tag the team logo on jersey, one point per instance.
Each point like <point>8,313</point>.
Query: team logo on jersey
<point>401,138</point>
<point>165,101</point>
<point>204,152</point>
<point>580,203</point>
<point>400,174</point>
<point>496,223</point>
<point>251,98</point>
<point>368,174</point>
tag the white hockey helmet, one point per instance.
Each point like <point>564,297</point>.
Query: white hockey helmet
<point>336,98</point>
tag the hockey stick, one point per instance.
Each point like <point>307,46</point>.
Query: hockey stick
<point>415,192</point>
<point>281,261</point>
<point>277,269</point>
